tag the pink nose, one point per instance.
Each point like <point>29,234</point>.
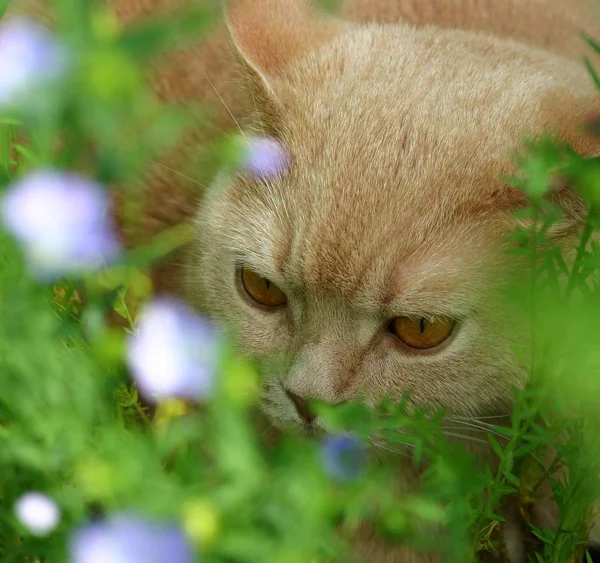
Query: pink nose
<point>302,408</point>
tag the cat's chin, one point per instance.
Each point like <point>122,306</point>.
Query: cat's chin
<point>284,418</point>
<point>281,413</point>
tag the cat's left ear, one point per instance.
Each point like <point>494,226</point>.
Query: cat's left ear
<point>568,116</point>
<point>269,35</point>
<point>573,116</point>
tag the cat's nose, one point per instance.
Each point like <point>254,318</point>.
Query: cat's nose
<point>304,411</point>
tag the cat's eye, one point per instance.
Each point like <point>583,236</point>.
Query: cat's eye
<point>422,333</point>
<point>261,290</point>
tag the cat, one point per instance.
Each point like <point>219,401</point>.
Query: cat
<point>394,203</point>
<point>373,266</point>
<point>393,211</point>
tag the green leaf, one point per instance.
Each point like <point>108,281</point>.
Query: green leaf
<point>496,447</point>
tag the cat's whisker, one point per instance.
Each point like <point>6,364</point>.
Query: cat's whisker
<point>479,423</point>
<point>465,437</point>
<point>382,441</point>
<point>488,429</point>
<point>179,173</point>
<point>480,427</point>
<point>227,108</point>
<point>251,90</point>
<point>408,444</point>
<point>492,416</point>
<point>381,446</point>
<point>467,427</point>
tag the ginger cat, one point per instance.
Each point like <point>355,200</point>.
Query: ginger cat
<point>373,265</point>
<point>394,210</point>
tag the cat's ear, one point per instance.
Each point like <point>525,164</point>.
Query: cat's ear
<point>567,117</point>
<point>571,115</point>
<point>269,34</point>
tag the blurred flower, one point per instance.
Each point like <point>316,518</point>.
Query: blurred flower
<point>167,411</point>
<point>200,521</point>
<point>265,157</point>
<point>62,221</point>
<point>29,58</point>
<point>343,457</point>
<point>37,512</point>
<point>175,352</point>
<point>127,538</point>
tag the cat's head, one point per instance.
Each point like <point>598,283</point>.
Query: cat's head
<point>373,265</point>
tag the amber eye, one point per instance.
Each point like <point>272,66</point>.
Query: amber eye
<point>422,333</point>
<point>261,290</point>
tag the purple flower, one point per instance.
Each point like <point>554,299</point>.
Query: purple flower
<point>175,352</point>
<point>29,59</point>
<point>127,538</point>
<point>265,157</point>
<point>61,219</point>
<point>37,512</point>
<point>343,457</point>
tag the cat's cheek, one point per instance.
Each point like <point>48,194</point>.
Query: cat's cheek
<point>468,377</point>
<point>255,334</point>
<point>212,289</point>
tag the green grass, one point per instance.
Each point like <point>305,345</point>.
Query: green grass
<point>71,424</point>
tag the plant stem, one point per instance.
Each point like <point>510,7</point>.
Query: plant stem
<point>585,238</point>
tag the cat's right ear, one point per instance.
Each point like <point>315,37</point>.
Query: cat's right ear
<point>268,35</point>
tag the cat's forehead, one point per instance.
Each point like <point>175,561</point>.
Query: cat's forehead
<point>374,234</point>
<point>454,93</point>
<point>372,222</point>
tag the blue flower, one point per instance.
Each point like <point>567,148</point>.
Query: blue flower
<point>127,538</point>
<point>61,220</point>
<point>265,157</point>
<point>343,457</point>
<point>174,353</point>
<point>29,59</point>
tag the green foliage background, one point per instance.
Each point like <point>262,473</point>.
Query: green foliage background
<point>71,424</point>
